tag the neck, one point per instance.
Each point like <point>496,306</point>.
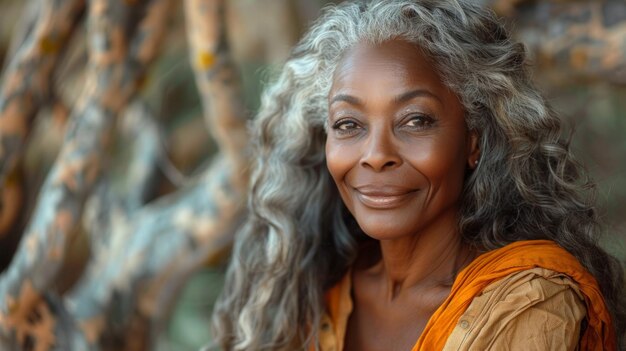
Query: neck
<point>428,259</point>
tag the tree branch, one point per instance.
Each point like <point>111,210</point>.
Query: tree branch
<point>137,273</point>
<point>135,278</point>
<point>112,79</point>
<point>27,83</point>
<point>118,202</point>
<point>572,38</point>
<point>217,79</point>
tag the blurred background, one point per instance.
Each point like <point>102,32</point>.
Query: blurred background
<point>578,49</point>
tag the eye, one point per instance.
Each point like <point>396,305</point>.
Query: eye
<point>419,122</point>
<point>346,126</point>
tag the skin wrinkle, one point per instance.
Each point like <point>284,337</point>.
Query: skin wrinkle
<point>398,131</point>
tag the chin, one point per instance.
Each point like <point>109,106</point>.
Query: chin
<point>386,228</point>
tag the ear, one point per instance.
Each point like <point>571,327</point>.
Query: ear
<point>473,155</point>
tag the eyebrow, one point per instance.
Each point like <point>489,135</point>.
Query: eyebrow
<point>415,93</point>
<point>404,97</point>
<point>353,100</point>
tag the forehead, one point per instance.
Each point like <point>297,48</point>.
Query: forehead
<point>399,61</point>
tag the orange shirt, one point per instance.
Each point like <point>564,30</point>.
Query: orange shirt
<point>517,264</point>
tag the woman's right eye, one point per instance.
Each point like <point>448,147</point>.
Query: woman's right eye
<point>345,125</point>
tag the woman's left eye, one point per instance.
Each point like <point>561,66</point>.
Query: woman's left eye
<point>419,122</point>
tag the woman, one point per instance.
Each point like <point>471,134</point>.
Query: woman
<point>411,191</point>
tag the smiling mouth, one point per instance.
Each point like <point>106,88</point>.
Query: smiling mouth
<point>382,199</point>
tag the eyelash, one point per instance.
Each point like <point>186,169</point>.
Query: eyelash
<point>337,126</point>
<point>426,122</point>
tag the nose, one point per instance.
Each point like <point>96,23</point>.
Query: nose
<point>379,152</point>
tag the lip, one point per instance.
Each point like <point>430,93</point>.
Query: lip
<point>384,197</point>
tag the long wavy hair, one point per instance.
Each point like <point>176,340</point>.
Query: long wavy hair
<point>299,239</point>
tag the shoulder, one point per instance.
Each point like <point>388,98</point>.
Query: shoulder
<point>534,309</point>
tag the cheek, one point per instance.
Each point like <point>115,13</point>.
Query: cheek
<point>340,159</point>
<point>440,160</point>
<point>337,160</point>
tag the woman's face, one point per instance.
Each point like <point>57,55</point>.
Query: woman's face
<point>397,146</point>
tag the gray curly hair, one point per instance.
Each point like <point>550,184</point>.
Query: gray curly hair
<point>299,239</point>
